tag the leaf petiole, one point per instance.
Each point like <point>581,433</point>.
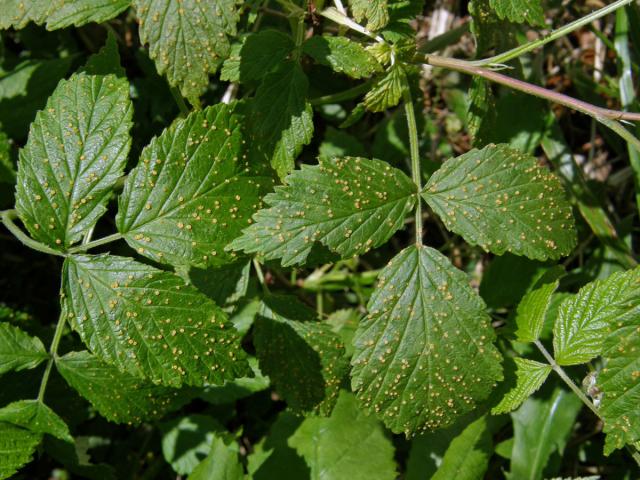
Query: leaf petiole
<point>53,352</point>
<point>416,172</point>
<point>96,243</point>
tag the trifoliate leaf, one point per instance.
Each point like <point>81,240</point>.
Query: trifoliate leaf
<point>117,396</point>
<point>36,417</point>
<point>187,39</point>
<point>64,13</point>
<point>467,457</point>
<point>350,205</point>
<point>374,11</point>
<point>387,92</point>
<point>424,354</point>
<point>258,55</point>
<point>77,150</point>
<point>348,444</point>
<point>282,117</point>
<point>502,200</point>
<point>184,457</point>
<point>18,350</point>
<point>519,11</point>
<point>583,319</point>
<point>147,322</point>
<point>303,358</point>
<point>222,463</point>
<point>532,311</point>
<point>342,55</point>
<point>16,448</point>
<point>530,377</point>
<point>192,191</point>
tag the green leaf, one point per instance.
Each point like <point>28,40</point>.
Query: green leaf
<point>519,11</point>
<point>192,191</point>
<point>338,143</point>
<point>532,311</point>
<point>64,13</point>
<point>303,358</point>
<point>530,377</point>
<point>222,463</point>
<point>259,55</point>
<point>225,285</point>
<point>17,446</point>
<point>342,55</point>
<point>107,60</point>
<point>187,441</point>
<point>345,323</point>
<point>282,118</point>
<point>502,200</point>
<point>187,39</point>
<point>236,389</point>
<point>619,380</point>
<point>77,150</point>
<point>350,205</point>
<point>424,354</point>
<point>18,13</point>
<point>349,444</point>
<point>481,116</point>
<point>374,11</point>
<point>117,396</point>
<point>19,351</point>
<point>467,458</point>
<point>507,279</point>
<point>541,427</point>
<point>7,172</point>
<point>387,92</point>
<point>584,319</point>
<point>147,322</point>
<point>36,417</point>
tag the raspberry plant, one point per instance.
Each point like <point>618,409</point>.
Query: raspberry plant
<point>255,285</point>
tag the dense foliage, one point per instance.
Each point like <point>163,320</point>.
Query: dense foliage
<point>289,240</point>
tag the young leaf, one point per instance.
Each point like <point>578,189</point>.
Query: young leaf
<point>64,13</point>
<point>504,201</point>
<point>117,396</point>
<point>467,457</point>
<point>519,11</point>
<point>147,322</point>
<point>583,320</point>
<point>350,205</point>
<point>16,448</point>
<point>187,39</point>
<point>387,92</point>
<point>424,355</point>
<point>19,351</point>
<point>349,444</point>
<point>259,55</point>
<point>374,11</point>
<point>36,417</point>
<point>192,191</point>
<point>342,55</point>
<point>76,151</point>
<point>303,357</point>
<point>532,311</point>
<point>282,118</point>
<point>222,463</point>
<point>530,377</point>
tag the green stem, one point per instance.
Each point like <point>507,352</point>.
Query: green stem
<point>53,352</point>
<point>342,96</point>
<point>7,220</point>
<point>416,173</point>
<point>177,96</point>
<point>96,243</point>
<point>560,32</point>
<point>260,274</point>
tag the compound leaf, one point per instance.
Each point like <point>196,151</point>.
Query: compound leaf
<point>282,118</point>
<point>187,39</point>
<point>348,444</point>
<point>18,350</point>
<point>36,417</point>
<point>583,319</point>
<point>76,151</point>
<point>303,357</point>
<point>16,448</point>
<point>342,55</point>
<point>374,11</point>
<point>519,11</point>
<point>117,396</point>
<point>192,192</point>
<point>424,354</point>
<point>148,323</point>
<point>348,204</point>
<point>502,200</point>
<point>530,377</point>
